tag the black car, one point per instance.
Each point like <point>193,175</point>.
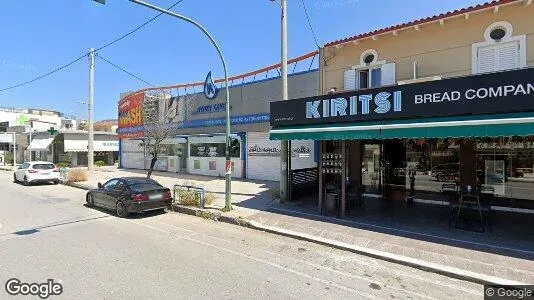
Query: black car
<point>130,194</point>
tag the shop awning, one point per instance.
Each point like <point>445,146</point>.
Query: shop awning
<point>41,144</point>
<point>72,145</point>
<point>518,124</point>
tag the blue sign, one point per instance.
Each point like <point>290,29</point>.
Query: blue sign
<point>211,108</point>
<point>210,90</point>
<point>234,120</point>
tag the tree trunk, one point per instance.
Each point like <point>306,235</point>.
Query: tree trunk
<point>152,163</point>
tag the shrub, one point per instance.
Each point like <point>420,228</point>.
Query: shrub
<point>77,175</point>
<point>100,163</point>
<point>210,198</point>
<point>189,198</point>
<point>63,164</point>
<point>8,157</point>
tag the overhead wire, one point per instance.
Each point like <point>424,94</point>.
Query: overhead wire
<point>85,54</point>
<point>124,70</point>
<point>310,24</point>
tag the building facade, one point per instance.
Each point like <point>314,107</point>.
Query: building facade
<point>196,144</point>
<point>70,147</point>
<point>20,121</point>
<point>411,109</point>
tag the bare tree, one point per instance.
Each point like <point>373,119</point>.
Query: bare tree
<point>159,116</point>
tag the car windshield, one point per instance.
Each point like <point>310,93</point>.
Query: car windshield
<point>43,166</point>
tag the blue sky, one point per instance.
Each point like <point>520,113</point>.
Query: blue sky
<point>38,36</point>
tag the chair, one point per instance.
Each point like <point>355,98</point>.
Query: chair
<point>449,193</point>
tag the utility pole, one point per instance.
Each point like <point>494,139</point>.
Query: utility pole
<point>14,149</point>
<point>30,143</point>
<point>90,153</point>
<point>284,144</point>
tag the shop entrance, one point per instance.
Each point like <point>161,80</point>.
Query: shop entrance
<point>384,169</point>
<point>394,162</point>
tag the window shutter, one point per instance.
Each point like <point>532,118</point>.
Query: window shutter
<point>486,59</point>
<point>388,74</point>
<point>507,56</point>
<point>349,79</point>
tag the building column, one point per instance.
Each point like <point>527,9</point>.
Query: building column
<point>343,177</point>
<point>111,162</point>
<point>320,203</point>
<point>468,170</point>
<point>73,159</point>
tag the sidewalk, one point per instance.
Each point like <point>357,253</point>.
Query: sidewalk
<point>417,237</point>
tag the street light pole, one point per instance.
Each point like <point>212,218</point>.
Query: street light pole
<point>284,172</point>
<point>90,152</point>
<point>228,187</point>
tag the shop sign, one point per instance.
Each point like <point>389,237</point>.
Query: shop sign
<point>130,110</point>
<point>210,89</point>
<point>501,92</point>
<point>211,108</point>
<point>256,150</point>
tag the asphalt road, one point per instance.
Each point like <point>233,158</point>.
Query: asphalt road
<point>46,232</point>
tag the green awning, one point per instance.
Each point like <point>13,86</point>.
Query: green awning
<point>518,124</point>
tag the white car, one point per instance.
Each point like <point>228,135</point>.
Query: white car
<point>37,171</point>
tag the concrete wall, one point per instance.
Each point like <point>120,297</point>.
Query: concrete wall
<point>439,50</point>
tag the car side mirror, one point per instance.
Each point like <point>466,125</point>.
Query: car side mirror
<point>100,186</point>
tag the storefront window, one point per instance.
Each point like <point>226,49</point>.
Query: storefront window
<point>215,149</point>
<point>371,174</point>
<point>431,165</point>
<point>506,165</point>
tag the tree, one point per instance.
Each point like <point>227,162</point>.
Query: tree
<point>159,112</point>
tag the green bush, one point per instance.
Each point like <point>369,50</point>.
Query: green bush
<point>100,163</point>
<point>8,158</point>
<point>63,164</point>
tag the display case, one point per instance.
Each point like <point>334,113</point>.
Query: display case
<point>332,163</point>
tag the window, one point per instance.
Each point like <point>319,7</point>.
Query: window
<point>215,149</point>
<point>44,166</point>
<point>500,51</point>
<point>370,73</point>
<point>111,184</point>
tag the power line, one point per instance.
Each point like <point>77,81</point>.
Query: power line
<point>309,24</point>
<point>123,70</point>
<point>44,75</point>
<point>85,54</point>
<point>137,28</point>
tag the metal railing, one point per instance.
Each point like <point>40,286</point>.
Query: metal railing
<point>189,195</point>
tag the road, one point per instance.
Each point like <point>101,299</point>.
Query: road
<point>46,232</point>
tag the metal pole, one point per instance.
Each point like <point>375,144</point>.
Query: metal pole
<point>228,185</point>
<point>90,153</point>
<point>284,145</point>
<point>14,149</point>
<point>30,144</point>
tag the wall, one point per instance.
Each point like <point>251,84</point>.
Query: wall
<point>440,50</point>
<point>15,118</point>
<point>132,154</point>
<point>248,99</point>
<point>263,156</point>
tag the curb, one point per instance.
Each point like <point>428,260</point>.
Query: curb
<point>78,185</point>
<point>390,257</point>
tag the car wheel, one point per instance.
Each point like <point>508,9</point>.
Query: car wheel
<point>26,181</point>
<point>90,200</point>
<point>15,179</point>
<point>56,182</point>
<point>120,209</point>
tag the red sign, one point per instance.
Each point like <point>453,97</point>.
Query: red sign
<point>229,166</point>
<point>130,110</point>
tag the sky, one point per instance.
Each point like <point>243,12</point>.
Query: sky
<point>38,36</point>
